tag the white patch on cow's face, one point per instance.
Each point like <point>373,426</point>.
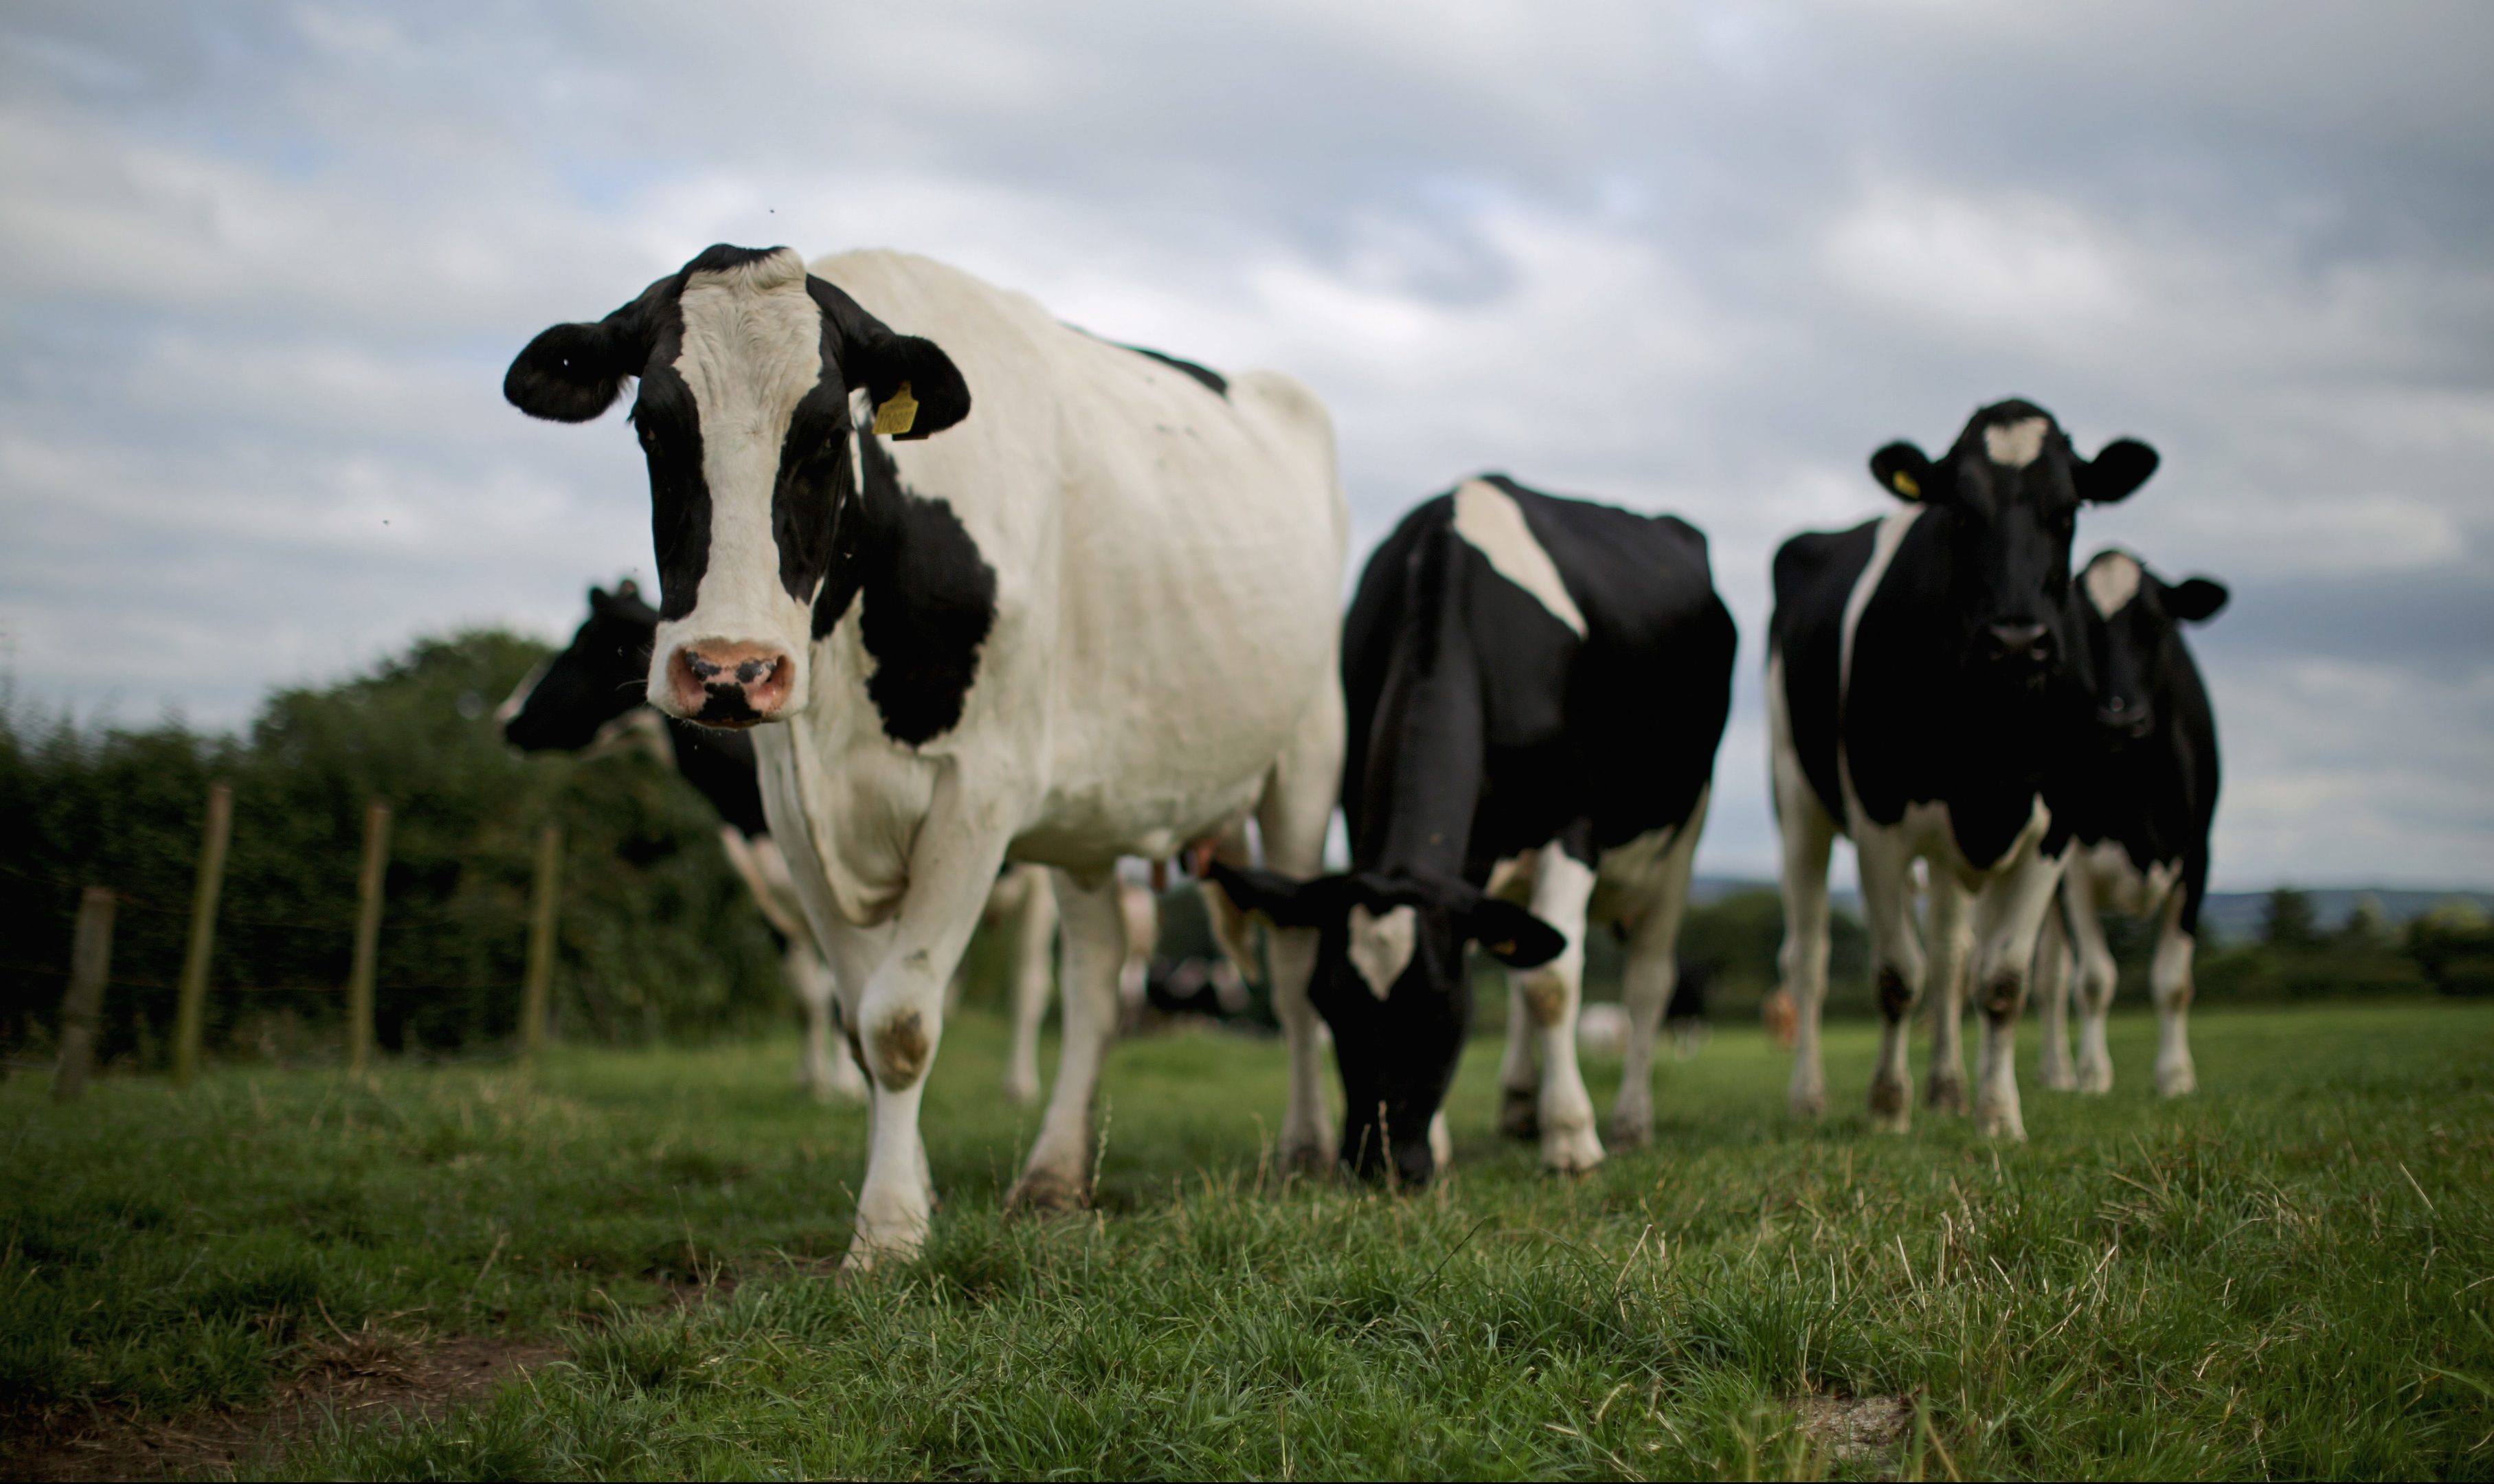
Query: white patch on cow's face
<point>751,350</point>
<point>2016,445</point>
<point>1488,518</point>
<point>1381,947</point>
<point>2112,581</point>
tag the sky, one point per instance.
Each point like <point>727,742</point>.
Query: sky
<point>262,267</point>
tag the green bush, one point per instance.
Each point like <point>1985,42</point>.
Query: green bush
<point>657,936</point>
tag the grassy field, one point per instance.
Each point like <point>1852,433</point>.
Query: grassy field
<point>2292,1274</point>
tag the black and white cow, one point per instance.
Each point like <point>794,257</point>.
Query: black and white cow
<point>1918,689</point>
<point>2138,797</point>
<point>1092,618</point>
<point>594,695</point>
<point>1535,683</point>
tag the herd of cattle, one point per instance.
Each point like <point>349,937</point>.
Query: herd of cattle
<point>939,610</point>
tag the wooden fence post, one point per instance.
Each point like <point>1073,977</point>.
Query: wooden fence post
<point>193,1015</point>
<point>368,932</point>
<point>90,961</point>
<point>542,924</point>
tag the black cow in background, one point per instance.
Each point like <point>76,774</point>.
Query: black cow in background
<point>594,695</point>
<point>2139,798</point>
<point>1919,693</point>
<point>1536,687</point>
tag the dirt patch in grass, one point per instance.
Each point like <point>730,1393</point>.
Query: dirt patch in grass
<point>373,1379</point>
<point>1857,1430</point>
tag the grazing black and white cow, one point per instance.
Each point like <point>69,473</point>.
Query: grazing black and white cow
<point>2139,796</point>
<point>1093,617</point>
<point>1532,682</point>
<point>1918,687</point>
<point>595,694</point>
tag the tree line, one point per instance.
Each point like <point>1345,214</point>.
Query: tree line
<point>657,938</point>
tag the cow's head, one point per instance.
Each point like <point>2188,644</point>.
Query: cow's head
<point>569,699</point>
<point>2009,493</point>
<point>2132,620</point>
<point>747,366</point>
<point>1391,981</point>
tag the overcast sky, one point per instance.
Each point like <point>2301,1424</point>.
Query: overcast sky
<point>262,268</point>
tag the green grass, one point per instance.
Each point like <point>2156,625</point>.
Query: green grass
<point>2291,1274</point>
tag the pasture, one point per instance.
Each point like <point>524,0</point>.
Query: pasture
<point>2290,1275</point>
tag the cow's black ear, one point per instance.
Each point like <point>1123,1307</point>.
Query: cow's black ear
<point>2196,599</point>
<point>574,372</point>
<point>1903,471</point>
<point>2121,466</point>
<point>915,387</point>
<point>1512,935</point>
<point>1284,902</point>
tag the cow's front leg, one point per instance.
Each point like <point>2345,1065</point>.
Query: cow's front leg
<point>828,1071</point>
<point>2008,918</point>
<point>1806,834</point>
<point>1652,973</point>
<point>1951,944</point>
<point>2053,970</point>
<point>1093,926</point>
<point>2169,976</point>
<point>1562,886</point>
<point>1895,966</point>
<point>1293,816</point>
<point>2097,973</point>
<point>1519,1076</point>
<point>901,1021</point>
<point>1034,934</point>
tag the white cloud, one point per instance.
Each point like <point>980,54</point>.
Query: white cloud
<point>261,269</point>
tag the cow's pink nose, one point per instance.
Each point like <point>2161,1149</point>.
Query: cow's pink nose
<point>730,684</point>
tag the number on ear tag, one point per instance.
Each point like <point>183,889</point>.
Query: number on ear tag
<point>898,412</point>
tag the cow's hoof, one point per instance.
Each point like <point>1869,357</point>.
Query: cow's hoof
<point>1891,1109</point>
<point>1944,1094</point>
<point>1519,1113</point>
<point>1023,1091</point>
<point>1571,1153</point>
<point>1995,1121</point>
<point>2096,1081</point>
<point>1307,1158</point>
<point>2058,1079</point>
<point>1041,1190</point>
<point>2179,1082</point>
<point>1807,1100</point>
<point>1630,1131</point>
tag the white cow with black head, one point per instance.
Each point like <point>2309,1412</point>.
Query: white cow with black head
<point>1003,592</point>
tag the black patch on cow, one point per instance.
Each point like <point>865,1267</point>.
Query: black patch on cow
<point>1894,998</point>
<point>929,599</point>
<point>721,256</point>
<point>2146,772</point>
<point>599,677</point>
<point>1480,725</point>
<point>1213,382</point>
<point>1815,572</point>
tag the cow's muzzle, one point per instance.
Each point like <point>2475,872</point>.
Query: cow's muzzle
<point>724,683</point>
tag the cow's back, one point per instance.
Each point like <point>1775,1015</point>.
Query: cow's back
<point>1168,556</point>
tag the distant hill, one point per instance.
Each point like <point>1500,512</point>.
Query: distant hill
<point>2236,917</point>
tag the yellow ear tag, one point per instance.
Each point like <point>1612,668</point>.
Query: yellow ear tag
<point>1501,949</point>
<point>897,413</point>
<point>1905,482</point>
